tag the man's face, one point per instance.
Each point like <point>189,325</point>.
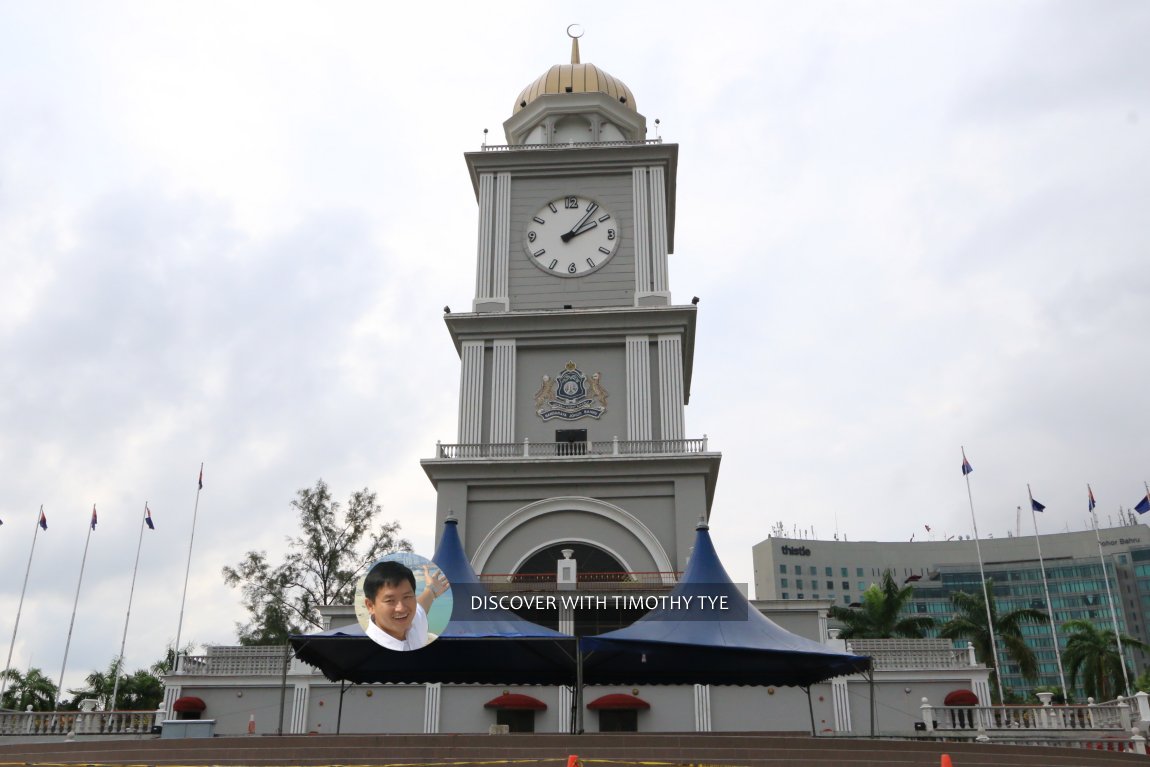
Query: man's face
<point>393,609</point>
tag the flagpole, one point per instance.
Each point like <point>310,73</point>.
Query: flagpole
<point>72,623</point>
<point>1109,596</point>
<point>982,575</point>
<point>128,615</point>
<point>20,609</point>
<point>187,571</point>
<point>1046,588</point>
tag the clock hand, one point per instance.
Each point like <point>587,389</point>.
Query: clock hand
<point>568,236</point>
<point>577,229</point>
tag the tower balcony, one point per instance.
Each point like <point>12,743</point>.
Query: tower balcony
<point>544,450</point>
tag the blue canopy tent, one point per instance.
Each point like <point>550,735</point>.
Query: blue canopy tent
<point>692,641</point>
<point>701,644</point>
<point>479,646</point>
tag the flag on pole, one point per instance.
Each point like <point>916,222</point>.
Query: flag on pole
<point>1143,505</point>
<point>201,481</point>
<point>966,467</point>
<point>1090,498</point>
<point>1036,505</point>
<point>148,517</point>
<point>43,520</point>
<point>93,516</point>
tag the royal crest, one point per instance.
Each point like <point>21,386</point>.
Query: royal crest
<point>571,395</point>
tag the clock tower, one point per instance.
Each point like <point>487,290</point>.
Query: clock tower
<point>575,363</point>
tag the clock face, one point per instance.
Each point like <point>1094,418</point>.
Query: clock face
<point>571,236</point>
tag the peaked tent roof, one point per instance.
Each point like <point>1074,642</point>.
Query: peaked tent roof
<point>484,646</point>
<point>689,645</point>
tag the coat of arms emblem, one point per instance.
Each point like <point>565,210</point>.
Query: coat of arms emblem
<point>571,395</point>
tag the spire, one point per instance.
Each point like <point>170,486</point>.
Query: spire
<point>575,41</point>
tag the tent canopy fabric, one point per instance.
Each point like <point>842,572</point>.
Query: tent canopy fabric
<point>515,701</point>
<point>479,646</point>
<point>960,698</point>
<point>617,701</point>
<point>739,646</point>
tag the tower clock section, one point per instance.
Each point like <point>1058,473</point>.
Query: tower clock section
<point>574,228</point>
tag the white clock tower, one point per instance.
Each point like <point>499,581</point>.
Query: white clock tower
<point>576,365</point>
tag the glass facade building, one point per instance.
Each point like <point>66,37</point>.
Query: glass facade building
<point>796,569</point>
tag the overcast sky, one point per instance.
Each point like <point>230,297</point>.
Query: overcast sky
<point>227,232</point>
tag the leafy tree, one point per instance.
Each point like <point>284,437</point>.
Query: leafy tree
<point>969,623</point>
<point>879,611</point>
<point>141,690</point>
<point>321,567</point>
<point>32,688</point>
<point>1093,652</point>
<point>1142,683</point>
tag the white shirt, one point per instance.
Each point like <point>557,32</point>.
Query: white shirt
<point>416,634</point>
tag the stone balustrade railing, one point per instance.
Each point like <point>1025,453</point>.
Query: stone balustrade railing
<point>606,448</point>
<point>79,722</point>
<point>1108,726</point>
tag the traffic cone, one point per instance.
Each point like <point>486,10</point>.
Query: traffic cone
<point>573,761</point>
<point>945,761</point>
<point>252,725</point>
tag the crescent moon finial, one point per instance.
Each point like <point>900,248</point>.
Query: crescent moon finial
<point>575,40</point>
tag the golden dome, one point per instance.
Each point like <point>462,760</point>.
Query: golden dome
<point>576,77</point>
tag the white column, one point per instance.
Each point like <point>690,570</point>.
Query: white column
<point>298,725</point>
<point>638,388</point>
<point>702,708</point>
<point>981,688</point>
<point>171,694</point>
<point>484,255</point>
<point>642,233</point>
<point>840,696</point>
<point>671,387</point>
<point>503,391</point>
<point>471,393</point>
<point>502,236</point>
<point>565,696</point>
<point>431,707</point>
<point>657,187</point>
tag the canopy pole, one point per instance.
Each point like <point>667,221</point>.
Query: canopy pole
<point>870,679</point>
<point>810,709</point>
<point>339,716</point>
<point>283,686</point>
<point>578,689</point>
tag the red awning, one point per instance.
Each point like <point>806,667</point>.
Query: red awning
<point>189,703</point>
<point>516,702</point>
<point>960,698</point>
<point>618,700</point>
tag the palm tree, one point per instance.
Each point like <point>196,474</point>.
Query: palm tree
<point>969,623</point>
<point>30,689</point>
<point>1094,653</point>
<point>877,616</point>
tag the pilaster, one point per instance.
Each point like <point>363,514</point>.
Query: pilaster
<point>638,387</point>
<point>702,708</point>
<point>471,393</point>
<point>503,391</point>
<point>671,386</point>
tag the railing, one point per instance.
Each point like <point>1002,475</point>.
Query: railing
<point>79,722</point>
<point>528,449</point>
<point>234,661</point>
<point>913,653</point>
<point>570,145</point>
<point>1107,727</point>
<point>586,581</point>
